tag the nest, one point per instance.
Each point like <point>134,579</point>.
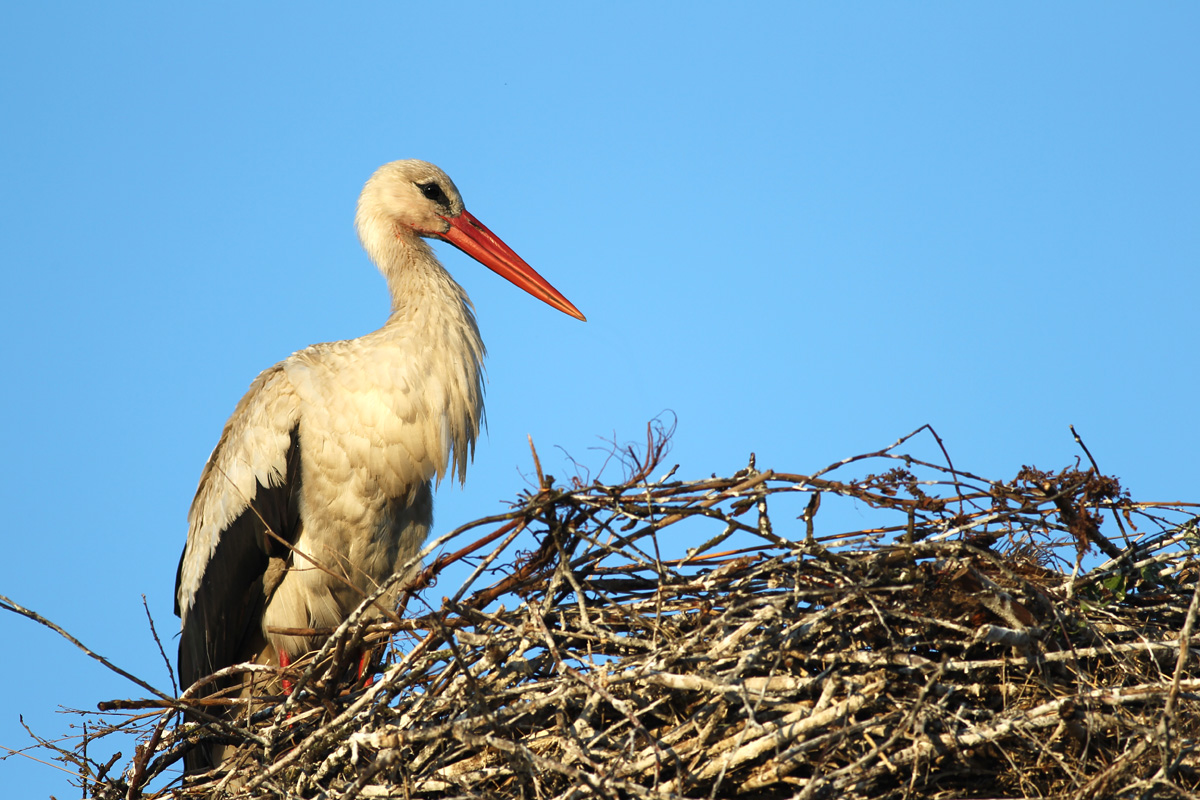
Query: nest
<point>957,649</point>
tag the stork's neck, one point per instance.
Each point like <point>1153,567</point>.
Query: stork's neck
<point>407,263</point>
<point>432,329</point>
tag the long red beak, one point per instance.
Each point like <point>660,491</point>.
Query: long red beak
<point>473,238</point>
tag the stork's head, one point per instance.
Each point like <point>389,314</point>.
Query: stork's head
<point>408,196</point>
<point>407,199</point>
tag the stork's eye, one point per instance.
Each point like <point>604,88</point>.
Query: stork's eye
<point>434,193</point>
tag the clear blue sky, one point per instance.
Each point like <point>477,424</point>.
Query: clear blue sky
<point>805,229</point>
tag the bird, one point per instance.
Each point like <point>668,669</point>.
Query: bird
<point>320,486</point>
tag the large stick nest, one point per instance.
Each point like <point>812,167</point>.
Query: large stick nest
<point>668,638</point>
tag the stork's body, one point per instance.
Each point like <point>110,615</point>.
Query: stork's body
<point>320,486</point>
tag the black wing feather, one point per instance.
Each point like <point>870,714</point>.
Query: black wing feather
<point>226,613</point>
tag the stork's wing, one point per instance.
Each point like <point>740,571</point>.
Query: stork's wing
<point>245,513</point>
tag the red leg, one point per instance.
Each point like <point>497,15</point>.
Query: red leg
<point>363,662</point>
<point>284,662</point>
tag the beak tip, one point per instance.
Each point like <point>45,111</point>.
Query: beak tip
<point>568,308</point>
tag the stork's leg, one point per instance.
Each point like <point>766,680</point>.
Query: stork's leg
<point>364,663</point>
<point>284,662</point>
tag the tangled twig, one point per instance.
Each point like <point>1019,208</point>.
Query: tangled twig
<point>949,651</point>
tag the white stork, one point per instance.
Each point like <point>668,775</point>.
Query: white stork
<point>331,453</point>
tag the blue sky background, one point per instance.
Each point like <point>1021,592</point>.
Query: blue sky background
<point>803,229</point>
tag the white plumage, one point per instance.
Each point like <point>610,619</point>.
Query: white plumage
<point>331,453</point>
